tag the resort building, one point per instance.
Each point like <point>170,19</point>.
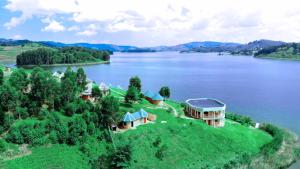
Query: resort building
<point>105,90</point>
<point>135,119</point>
<point>86,95</point>
<point>58,75</point>
<point>154,98</point>
<point>210,110</point>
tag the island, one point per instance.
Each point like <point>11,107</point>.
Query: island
<point>66,120</point>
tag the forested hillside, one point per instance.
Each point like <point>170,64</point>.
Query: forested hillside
<point>286,51</point>
<point>65,55</point>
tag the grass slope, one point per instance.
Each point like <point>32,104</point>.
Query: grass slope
<point>10,52</point>
<point>56,156</point>
<point>284,52</point>
<point>190,143</point>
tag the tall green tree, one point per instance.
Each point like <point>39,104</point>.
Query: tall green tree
<point>69,87</point>
<point>8,97</point>
<point>165,92</point>
<point>18,79</point>
<point>81,78</point>
<point>1,76</point>
<point>135,82</point>
<point>132,95</point>
<point>109,109</point>
<point>96,92</point>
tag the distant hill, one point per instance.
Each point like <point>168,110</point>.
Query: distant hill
<point>285,51</point>
<point>252,47</point>
<point>206,46</point>
<point>110,47</point>
<point>196,46</point>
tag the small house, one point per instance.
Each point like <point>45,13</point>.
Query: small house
<point>86,95</point>
<point>104,89</point>
<point>58,75</point>
<point>154,98</point>
<point>7,69</point>
<point>135,119</point>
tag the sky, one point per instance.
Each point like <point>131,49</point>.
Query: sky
<point>150,22</point>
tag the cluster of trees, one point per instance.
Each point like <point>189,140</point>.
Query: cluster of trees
<point>285,47</point>
<point>38,109</point>
<point>134,94</point>
<point>65,55</point>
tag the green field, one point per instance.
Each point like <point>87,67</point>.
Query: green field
<point>53,157</point>
<point>10,52</point>
<point>190,143</point>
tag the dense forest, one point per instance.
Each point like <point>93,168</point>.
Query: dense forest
<point>65,55</point>
<point>286,51</point>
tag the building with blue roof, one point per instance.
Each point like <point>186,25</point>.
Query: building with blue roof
<point>135,119</point>
<point>212,111</point>
<point>154,98</point>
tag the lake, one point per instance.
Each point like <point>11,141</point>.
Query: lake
<point>266,90</point>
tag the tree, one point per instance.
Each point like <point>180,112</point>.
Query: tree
<point>165,92</point>
<point>110,106</point>
<point>70,109</point>
<point>77,130</point>
<point>81,78</point>
<point>8,97</point>
<point>96,92</point>
<point>132,95</point>
<point>135,82</point>
<point>18,79</point>
<point>1,77</point>
<point>120,159</point>
<point>68,86</point>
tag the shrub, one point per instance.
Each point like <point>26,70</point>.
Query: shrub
<point>3,146</point>
<point>70,109</point>
<point>157,142</point>
<point>121,158</point>
<point>276,143</point>
<point>161,152</point>
<point>244,120</point>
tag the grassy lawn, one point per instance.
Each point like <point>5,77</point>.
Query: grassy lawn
<point>54,157</point>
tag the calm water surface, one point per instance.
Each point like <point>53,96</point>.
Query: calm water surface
<point>266,90</point>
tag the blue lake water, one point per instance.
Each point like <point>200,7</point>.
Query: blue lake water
<point>266,90</point>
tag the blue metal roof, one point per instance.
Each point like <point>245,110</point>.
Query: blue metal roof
<point>205,103</point>
<point>157,97</point>
<point>128,117</point>
<point>148,94</point>
<point>135,116</point>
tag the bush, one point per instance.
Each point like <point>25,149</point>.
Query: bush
<point>275,144</point>
<point>244,120</point>
<point>3,146</point>
<point>161,152</point>
<point>121,158</point>
<point>70,109</point>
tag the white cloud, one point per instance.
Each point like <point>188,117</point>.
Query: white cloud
<point>17,37</point>
<point>73,28</point>
<point>230,20</point>
<point>90,30</point>
<point>53,26</point>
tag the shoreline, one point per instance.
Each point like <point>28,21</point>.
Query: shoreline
<point>65,64</point>
<point>272,58</point>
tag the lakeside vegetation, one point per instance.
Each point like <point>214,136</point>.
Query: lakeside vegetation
<point>65,55</point>
<point>41,115</point>
<point>290,51</point>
